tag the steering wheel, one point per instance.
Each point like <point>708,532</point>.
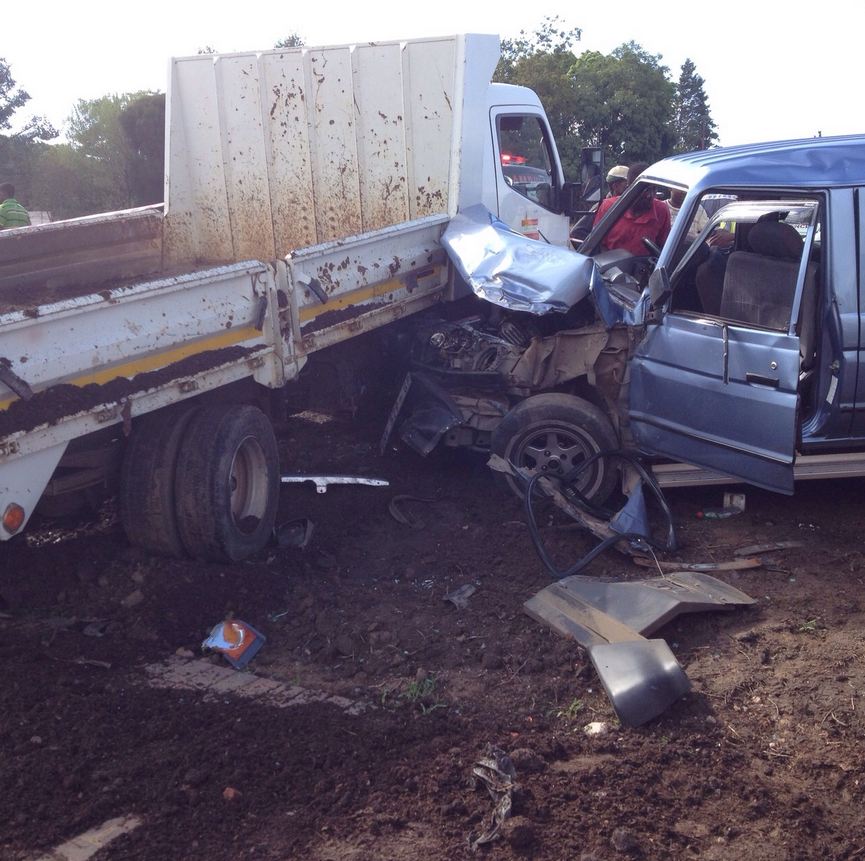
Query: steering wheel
<point>655,251</point>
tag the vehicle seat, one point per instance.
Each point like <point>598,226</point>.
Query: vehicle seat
<point>759,285</point>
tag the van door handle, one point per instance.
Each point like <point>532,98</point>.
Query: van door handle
<point>759,380</point>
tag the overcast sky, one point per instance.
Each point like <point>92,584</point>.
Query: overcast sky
<point>772,69</point>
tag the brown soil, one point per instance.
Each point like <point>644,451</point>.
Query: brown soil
<point>763,760</point>
<point>57,402</point>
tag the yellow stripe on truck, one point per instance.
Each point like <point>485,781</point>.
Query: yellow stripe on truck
<point>362,294</point>
<point>154,361</point>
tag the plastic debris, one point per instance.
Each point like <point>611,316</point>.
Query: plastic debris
<point>497,773</point>
<point>397,512</point>
<point>460,596</point>
<point>734,504</point>
<point>237,641</point>
<point>717,513</point>
<point>294,533</point>
<point>596,727</point>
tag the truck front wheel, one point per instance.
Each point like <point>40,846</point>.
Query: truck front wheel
<point>554,433</point>
<point>227,483</point>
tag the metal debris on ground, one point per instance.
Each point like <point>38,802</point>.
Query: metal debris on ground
<point>294,533</point>
<point>460,597</point>
<point>497,773</point>
<point>322,482</point>
<point>237,641</point>
<point>397,512</point>
<point>732,565</point>
<point>756,549</point>
<point>96,628</point>
<point>641,677</point>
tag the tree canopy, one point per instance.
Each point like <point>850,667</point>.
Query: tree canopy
<point>624,101</point>
<point>694,126</point>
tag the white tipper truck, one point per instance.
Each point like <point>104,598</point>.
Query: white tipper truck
<point>306,194</point>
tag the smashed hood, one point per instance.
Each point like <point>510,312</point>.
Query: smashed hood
<point>508,269</point>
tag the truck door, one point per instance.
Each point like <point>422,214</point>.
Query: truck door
<point>528,176</point>
<point>719,386</point>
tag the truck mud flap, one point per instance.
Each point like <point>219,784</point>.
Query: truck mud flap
<point>641,677</point>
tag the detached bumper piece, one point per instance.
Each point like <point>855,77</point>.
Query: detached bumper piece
<point>641,677</point>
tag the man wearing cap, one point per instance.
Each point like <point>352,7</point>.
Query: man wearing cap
<point>646,218</point>
<point>617,180</point>
<point>12,214</point>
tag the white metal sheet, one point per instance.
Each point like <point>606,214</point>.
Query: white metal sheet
<point>245,160</point>
<point>333,144</point>
<point>273,151</point>
<point>287,143</point>
<point>430,71</point>
<point>381,136</point>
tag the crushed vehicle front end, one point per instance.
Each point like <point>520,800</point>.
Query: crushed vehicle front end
<point>541,320</point>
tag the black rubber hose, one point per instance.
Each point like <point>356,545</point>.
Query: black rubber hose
<point>670,545</point>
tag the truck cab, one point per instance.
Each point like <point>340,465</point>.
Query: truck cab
<point>524,183</point>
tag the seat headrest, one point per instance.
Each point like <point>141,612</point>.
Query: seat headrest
<point>775,239</point>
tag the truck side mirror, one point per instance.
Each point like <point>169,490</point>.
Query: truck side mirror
<point>570,198</point>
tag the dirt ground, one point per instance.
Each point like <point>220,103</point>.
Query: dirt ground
<point>394,693</point>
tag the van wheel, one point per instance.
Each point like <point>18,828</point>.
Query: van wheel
<point>146,497</point>
<point>227,483</point>
<point>552,434</point>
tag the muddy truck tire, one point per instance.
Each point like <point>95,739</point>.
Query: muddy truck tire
<point>146,498</point>
<point>553,433</point>
<point>227,483</point>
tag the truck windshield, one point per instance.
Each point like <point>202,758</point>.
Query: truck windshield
<point>525,157</point>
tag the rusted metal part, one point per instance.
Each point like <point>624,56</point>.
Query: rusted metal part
<point>13,381</point>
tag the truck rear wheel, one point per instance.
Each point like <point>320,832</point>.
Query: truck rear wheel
<point>146,497</point>
<point>552,434</point>
<point>227,483</point>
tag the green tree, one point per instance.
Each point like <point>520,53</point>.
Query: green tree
<point>11,99</point>
<point>143,123</point>
<point>542,61</point>
<point>94,130</point>
<point>293,40</point>
<point>694,127</point>
<point>114,158</point>
<point>67,183</point>
<point>624,102</point>
<point>19,150</point>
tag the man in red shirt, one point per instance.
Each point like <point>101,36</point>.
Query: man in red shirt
<point>646,217</point>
